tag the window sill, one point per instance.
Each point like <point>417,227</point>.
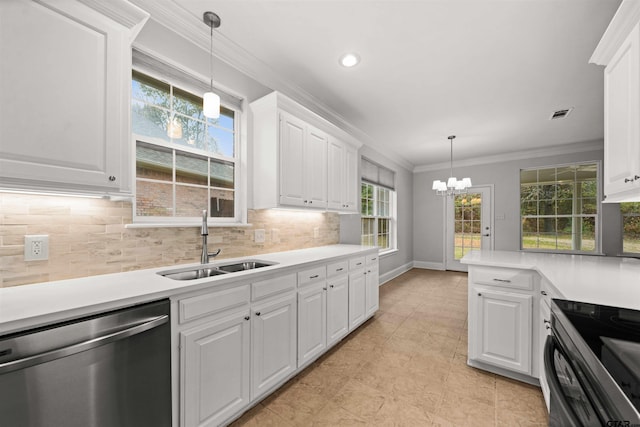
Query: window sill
<point>388,252</point>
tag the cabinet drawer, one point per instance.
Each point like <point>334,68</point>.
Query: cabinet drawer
<point>337,268</point>
<point>356,263</point>
<point>312,275</point>
<point>506,277</point>
<point>212,303</point>
<point>371,258</point>
<point>276,285</point>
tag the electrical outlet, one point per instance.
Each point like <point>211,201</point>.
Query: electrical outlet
<point>36,247</point>
<point>259,236</point>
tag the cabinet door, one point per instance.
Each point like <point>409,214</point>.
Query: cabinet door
<point>64,80</point>
<point>337,309</point>
<point>372,291</point>
<point>501,329</point>
<point>315,168</point>
<point>292,135</point>
<point>312,322</point>
<point>214,362</point>
<point>357,302</point>
<point>351,188</point>
<point>336,175</point>
<point>622,118</point>
<point>273,336</point>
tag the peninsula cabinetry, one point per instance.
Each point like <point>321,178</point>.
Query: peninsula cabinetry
<point>619,52</point>
<point>501,302</point>
<point>295,164</point>
<point>67,129</point>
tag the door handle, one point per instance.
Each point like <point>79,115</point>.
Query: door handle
<point>486,235</point>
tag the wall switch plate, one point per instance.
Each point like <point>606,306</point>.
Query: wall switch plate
<point>259,236</point>
<point>36,247</point>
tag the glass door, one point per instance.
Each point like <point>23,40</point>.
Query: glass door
<point>469,225</point>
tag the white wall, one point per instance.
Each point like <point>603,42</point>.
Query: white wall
<point>505,176</point>
<point>398,262</point>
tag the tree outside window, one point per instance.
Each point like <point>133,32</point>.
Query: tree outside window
<point>185,162</point>
<point>559,208</point>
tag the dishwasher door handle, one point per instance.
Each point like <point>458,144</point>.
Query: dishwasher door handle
<point>128,331</point>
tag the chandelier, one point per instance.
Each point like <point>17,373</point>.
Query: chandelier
<point>452,186</point>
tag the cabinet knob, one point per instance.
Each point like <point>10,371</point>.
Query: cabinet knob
<point>543,292</point>
<point>479,294</point>
<point>306,201</point>
<point>257,313</point>
<point>112,178</point>
<point>310,201</point>
<point>331,286</point>
<point>246,317</point>
<point>324,289</point>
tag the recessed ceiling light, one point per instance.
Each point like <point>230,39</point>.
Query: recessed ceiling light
<point>349,60</point>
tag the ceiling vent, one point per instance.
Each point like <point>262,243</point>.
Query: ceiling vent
<point>560,114</point>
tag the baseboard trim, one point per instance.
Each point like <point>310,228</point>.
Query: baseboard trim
<point>429,265</point>
<point>390,275</point>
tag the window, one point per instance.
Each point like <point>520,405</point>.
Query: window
<point>559,208</point>
<point>185,162</point>
<point>378,223</point>
<point>630,227</point>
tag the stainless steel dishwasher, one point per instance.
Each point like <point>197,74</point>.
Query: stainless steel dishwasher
<point>109,370</point>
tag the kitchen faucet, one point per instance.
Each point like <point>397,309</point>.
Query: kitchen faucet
<point>204,232</point>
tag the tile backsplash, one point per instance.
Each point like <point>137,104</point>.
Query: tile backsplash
<point>89,237</point>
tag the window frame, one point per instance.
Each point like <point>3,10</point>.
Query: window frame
<point>622,233</point>
<point>189,84</point>
<point>392,232</point>
<point>598,216</point>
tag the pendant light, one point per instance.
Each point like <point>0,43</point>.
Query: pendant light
<point>211,101</point>
<point>452,186</point>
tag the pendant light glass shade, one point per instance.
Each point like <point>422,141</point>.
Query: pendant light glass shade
<point>452,186</point>
<point>211,105</point>
<point>174,128</point>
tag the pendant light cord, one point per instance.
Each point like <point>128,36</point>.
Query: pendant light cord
<point>211,59</point>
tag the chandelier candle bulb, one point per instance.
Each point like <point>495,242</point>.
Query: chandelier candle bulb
<point>452,186</point>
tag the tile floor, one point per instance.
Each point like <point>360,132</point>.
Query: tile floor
<point>405,367</point>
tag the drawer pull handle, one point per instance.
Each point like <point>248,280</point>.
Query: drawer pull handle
<point>315,276</point>
<point>257,313</point>
<point>502,280</point>
<point>324,289</point>
<point>339,269</point>
<point>246,317</point>
<point>543,293</point>
<point>359,263</point>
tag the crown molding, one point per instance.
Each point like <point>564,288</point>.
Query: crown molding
<point>579,147</point>
<point>626,17</point>
<point>174,17</point>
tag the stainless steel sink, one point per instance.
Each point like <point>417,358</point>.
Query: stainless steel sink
<point>245,265</point>
<point>192,273</point>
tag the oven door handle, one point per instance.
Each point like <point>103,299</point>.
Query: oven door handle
<point>565,412</point>
<point>122,333</point>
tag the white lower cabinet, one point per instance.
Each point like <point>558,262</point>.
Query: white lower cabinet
<point>241,341</point>
<point>337,308</point>
<point>273,343</point>
<point>215,369</point>
<point>501,325</point>
<point>372,281</point>
<point>357,299</point>
<point>312,322</point>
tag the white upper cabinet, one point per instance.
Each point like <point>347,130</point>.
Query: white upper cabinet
<point>294,158</point>
<point>65,84</point>
<point>343,176</point>
<point>619,51</point>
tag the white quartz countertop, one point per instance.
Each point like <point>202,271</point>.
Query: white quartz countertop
<point>29,306</point>
<point>613,281</point>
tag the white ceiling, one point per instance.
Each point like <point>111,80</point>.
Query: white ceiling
<point>490,72</point>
